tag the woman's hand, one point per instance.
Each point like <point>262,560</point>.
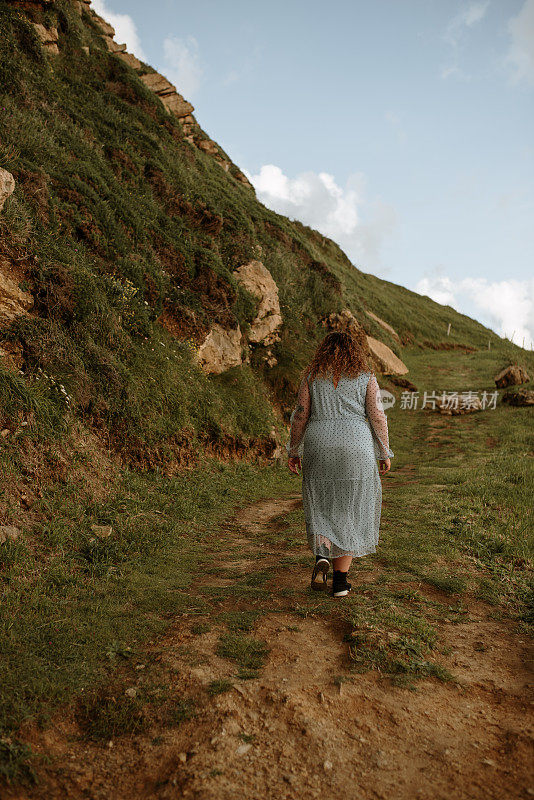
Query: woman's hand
<point>384,465</point>
<point>294,464</point>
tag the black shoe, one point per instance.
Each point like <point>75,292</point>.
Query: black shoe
<point>320,573</point>
<point>340,585</point>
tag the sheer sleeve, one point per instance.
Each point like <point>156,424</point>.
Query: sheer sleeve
<point>378,420</point>
<point>299,420</point>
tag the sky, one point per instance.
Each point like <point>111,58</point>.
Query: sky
<point>402,130</point>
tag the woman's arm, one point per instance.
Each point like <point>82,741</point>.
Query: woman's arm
<point>299,419</point>
<point>377,418</point>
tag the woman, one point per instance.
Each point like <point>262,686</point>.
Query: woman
<point>340,430</point>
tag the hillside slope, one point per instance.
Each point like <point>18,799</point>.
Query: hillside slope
<point>123,235</point>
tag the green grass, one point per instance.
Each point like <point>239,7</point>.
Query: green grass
<point>219,686</point>
<point>71,612</point>
<point>249,653</point>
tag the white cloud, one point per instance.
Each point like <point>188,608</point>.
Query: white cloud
<point>318,201</point>
<point>505,306</point>
<point>182,64</point>
<point>125,28</point>
<point>466,18</point>
<point>521,54</point>
<point>455,32</point>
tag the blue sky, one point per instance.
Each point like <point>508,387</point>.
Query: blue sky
<point>403,130</point>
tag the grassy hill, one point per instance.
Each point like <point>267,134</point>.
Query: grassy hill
<point>126,235</point>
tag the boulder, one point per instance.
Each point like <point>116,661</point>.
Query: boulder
<point>512,375</point>
<point>130,59</point>
<point>519,397</point>
<point>257,280</point>
<point>48,37</point>
<point>7,186</point>
<point>13,301</point>
<point>220,350</point>
<point>385,359</point>
<point>383,325</point>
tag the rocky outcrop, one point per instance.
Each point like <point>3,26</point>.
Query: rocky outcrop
<point>48,37</point>
<point>103,26</point>
<point>385,359</point>
<point>257,280</point>
<point>519,397</point>
<point>220,350</point>
<point>7,186</point>
<point>112,45</point>
<point>13,301</point>
<point>513,375</point>
<point>386,326</point>
<point>167,93</point>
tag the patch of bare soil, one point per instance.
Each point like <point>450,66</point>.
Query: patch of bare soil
<point>299,730</point>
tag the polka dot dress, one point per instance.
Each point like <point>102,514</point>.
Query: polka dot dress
<point>340,432</point>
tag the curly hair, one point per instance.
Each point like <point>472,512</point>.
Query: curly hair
<point>340,353</point>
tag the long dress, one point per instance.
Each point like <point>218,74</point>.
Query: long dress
<point>339,432</point>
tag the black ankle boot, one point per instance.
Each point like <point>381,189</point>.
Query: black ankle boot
<point>340,585</point>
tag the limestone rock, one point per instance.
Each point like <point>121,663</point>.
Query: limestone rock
<point>208,146</point>
<point>48,37</point>
<point>103,26</point>
<point>158,83</point>
<point>130,60</point>
<point>220,350</point>
<point>386,326</point>
<point>7,186</point>
<point>167,93</point>
<point>13,301</point>
<point>112,45</point>
<point>257,280</point>
<point>385,359</point>
<point>176,104</point>
<point>8,533</point>
<point>512,375</point>
<point>519,397</point>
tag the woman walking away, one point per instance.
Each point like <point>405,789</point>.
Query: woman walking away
<point>339,430</point>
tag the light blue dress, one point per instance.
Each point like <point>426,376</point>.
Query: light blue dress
<point>339,443</point>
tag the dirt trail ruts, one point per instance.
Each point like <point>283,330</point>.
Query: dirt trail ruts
<point>294,732</point>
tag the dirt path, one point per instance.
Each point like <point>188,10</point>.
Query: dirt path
<point>305,727</point>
